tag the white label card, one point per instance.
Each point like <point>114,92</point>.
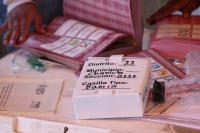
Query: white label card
<point>104,75</point>
<point>7,124</point>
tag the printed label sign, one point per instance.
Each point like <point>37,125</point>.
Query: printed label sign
<point>128,75</point>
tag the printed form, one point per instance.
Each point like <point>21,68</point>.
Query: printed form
<point>29,94</point>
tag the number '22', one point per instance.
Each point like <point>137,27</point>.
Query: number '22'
<point>129,62</point>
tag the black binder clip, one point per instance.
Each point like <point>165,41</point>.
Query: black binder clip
<point>65,129</point>
<point>158,92</point>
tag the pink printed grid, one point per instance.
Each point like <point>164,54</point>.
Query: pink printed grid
<point>111,14</point>
<point>195,20</point>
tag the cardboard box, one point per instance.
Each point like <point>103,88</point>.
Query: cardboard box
<point>110,89</point>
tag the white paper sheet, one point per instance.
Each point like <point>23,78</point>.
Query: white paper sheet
<point>27,125</point>
<point>29,94</point>
<point>7,124</point>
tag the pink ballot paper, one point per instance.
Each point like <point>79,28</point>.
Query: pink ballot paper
<point>88,28</point>
<point>175,36</point>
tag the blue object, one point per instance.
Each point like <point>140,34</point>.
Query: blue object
<point>3,10</point>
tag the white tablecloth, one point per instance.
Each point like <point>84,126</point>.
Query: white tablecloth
<point>65,112</point>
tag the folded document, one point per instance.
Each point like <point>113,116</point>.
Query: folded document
<point>29,94</point>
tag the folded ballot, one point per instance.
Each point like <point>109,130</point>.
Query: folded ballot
<point>31,95</point>
<point>112,87</point>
